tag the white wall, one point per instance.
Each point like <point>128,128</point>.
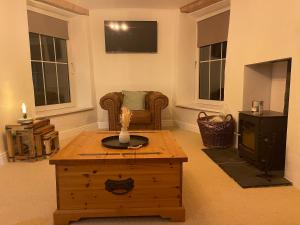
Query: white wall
<point>72,124</point>
<point>15,73</point>
<point>279,75</point>
<point>257,85</point>
<point>185,74</point>
<point>116,72</point>
<point>186,58</point>
<point>265,82</point>
<point>81,61</point>
<point>257,33</point>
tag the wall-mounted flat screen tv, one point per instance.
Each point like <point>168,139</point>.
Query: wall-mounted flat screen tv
<point>130,36</point>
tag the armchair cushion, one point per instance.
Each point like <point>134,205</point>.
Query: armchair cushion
<point>134,100</point>
<point>141,117</point>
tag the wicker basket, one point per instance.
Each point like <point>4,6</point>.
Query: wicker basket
<point>216,134</point>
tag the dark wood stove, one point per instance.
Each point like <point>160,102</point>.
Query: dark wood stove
<point>262,139</point>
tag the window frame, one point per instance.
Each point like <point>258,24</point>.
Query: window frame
<point>207,102</point>
<point>70,104</point>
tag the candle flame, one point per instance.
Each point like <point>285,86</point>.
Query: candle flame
<point>24,108</point>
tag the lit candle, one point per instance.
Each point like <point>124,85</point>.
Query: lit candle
<point>24,111</point>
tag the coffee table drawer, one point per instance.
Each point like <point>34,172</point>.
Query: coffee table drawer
<point>112,186</point>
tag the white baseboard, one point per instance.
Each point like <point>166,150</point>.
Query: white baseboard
<point>75,131</point>
<point>292,167</point>
<point>187,126</point>
<point>103,125</point>
<point>167,123</point>
<point>3,158</point>
<point>164,123</point>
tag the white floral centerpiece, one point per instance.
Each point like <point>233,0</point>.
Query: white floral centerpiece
<point>125,117</point>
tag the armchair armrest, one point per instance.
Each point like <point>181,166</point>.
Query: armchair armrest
<point>155,103</point>
<point>112,102</point>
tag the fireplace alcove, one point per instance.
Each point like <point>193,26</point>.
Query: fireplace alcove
<point>268,82</point>
<point>262,139</point>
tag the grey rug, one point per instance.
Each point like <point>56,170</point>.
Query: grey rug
<point>242,172</point>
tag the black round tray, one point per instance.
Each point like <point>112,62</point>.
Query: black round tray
<point>135,140</point>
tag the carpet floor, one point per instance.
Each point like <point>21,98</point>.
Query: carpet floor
<point>210,196</point>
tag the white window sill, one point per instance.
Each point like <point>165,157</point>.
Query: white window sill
<point>59,112</point>
<point>200,107</point>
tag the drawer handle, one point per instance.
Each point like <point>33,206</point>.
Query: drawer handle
<point>119,187</point>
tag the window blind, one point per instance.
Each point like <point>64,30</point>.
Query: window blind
<point>213,30</point>
<point>47,25</point>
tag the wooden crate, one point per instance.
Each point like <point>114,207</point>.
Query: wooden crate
<point>50,143</point>
<point>24,141</point>
<point>17,136</point>
<point>38,137</point>
<point>93,182</point>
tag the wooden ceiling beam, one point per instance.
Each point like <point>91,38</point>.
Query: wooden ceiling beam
<point>66,5</point>
<point>197,5</point>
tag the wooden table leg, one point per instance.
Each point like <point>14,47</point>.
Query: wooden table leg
<point>64,219</point>
<point>47,144</point>
<point>32,152</point>
<point>177,215</point>
<point>38,146</point>
<point>19,144</point>
<point>56,142</point>
<point>10,145</point>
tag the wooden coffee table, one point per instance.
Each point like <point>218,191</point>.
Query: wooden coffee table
<point>94,181</point>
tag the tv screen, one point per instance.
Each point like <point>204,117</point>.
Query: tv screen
<point>130,36</point>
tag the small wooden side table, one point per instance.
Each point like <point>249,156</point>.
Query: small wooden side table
<point>17,134</point>
<point>25,141</point>
<point>38,137</point>
<point>51,143</point>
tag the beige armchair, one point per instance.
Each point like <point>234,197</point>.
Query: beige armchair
<point>148,119</point>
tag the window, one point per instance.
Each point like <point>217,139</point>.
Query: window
<point>212,60</point>
<point>50,72</point>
